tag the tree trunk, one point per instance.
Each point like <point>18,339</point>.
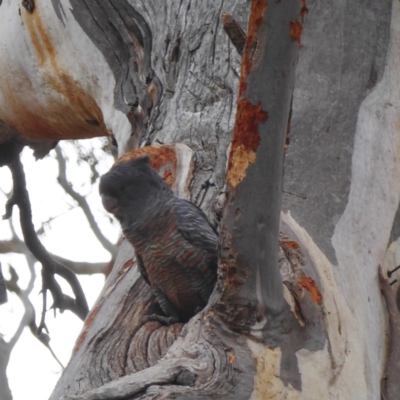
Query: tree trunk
<point>152,73</point>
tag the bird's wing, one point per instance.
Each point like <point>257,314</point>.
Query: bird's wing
<point>195,226</point>
<point>197,230</point>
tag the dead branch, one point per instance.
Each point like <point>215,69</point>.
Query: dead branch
<point>234,32</point>
<point>42,326</point>
<point>10,246</point>
<point>20,197</point>
<point>82,267</point>
<point>12,286</point>
<point>78,267</point>
<point>28,319</point>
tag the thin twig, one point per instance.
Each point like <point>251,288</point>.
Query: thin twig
<point>83,204</point>
<point>42,324</point>
<point>30,259</point>
<point>28,314</point>
<point>28,319</point>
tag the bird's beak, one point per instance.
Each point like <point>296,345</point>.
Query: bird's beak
<point>110,204</point>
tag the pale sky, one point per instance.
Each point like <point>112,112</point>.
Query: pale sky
<point>32,371</point>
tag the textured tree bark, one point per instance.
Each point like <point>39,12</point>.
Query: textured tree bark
<point>168,74</point>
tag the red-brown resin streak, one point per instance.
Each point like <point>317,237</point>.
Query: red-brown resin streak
<point>295,31</point>
<point>312,288</point>
<point>258,8</point>
<point>296,27</point>
<point>246,138</point>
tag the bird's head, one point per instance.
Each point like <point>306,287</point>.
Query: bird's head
<point>129,188</point>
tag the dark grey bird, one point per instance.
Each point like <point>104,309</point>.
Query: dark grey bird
<point>175,244</point>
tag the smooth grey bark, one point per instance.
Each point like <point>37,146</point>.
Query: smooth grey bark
<point>343,54</point>
<point>266,99</point>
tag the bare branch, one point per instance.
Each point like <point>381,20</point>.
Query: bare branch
<point>42,326</point>
<point>30,259</point>
<point>9,246</point>
<point>20,197</point>
<point>78,267</point>
<point>82,267</point>
<point>28,319</point>
<point>29,314</point>
<point>83,204</point>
